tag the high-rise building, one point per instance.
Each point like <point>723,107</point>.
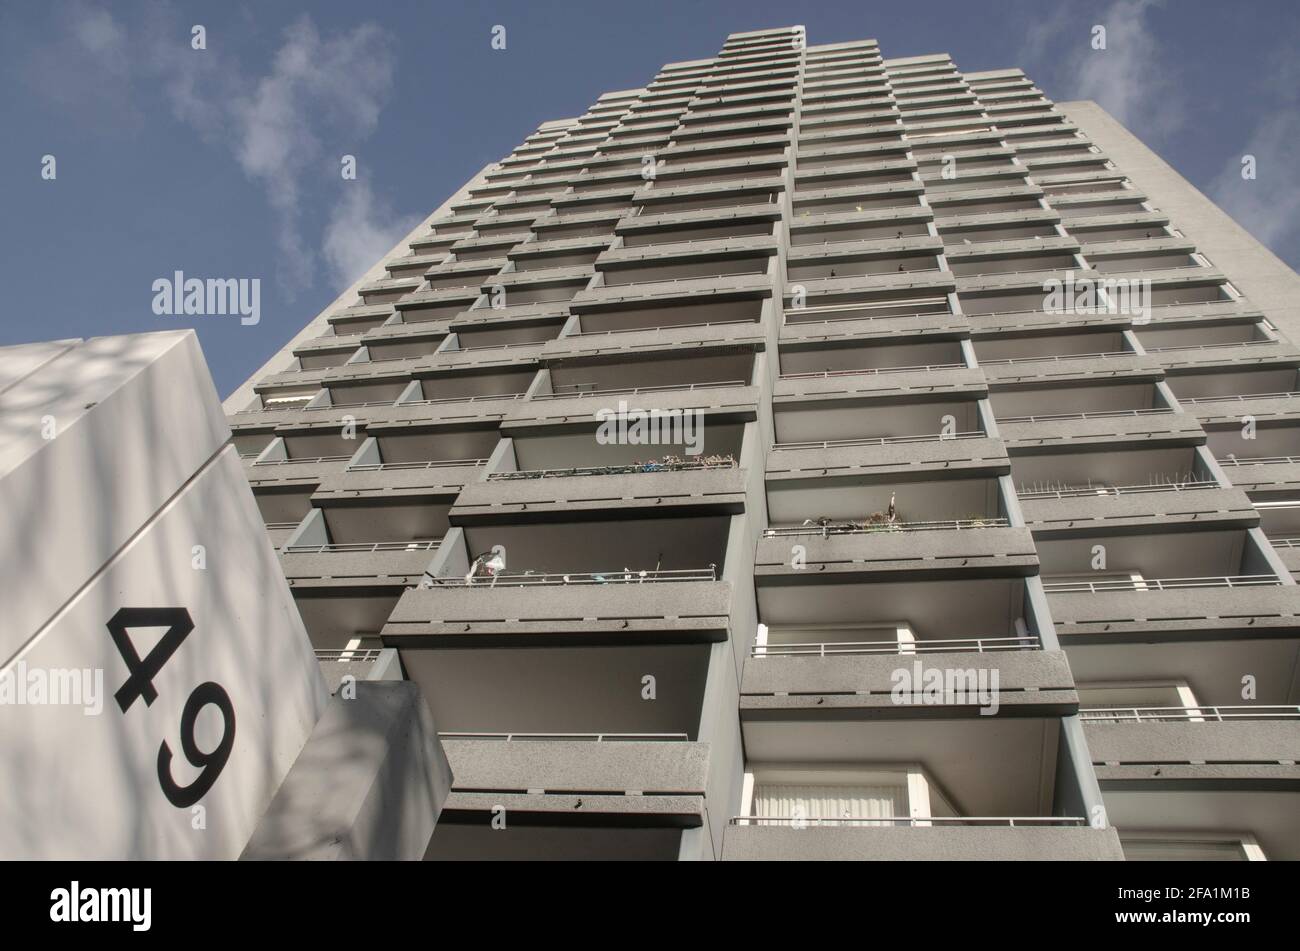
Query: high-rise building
<point>815,455</point>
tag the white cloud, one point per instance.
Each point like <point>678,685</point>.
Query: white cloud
<point>320,97</point>
<point>1268,205</point>
<point>317,86</point>
<point>361,230</point>
<point>1131,78</point>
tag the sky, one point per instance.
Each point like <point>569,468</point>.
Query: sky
<point>128,154</point>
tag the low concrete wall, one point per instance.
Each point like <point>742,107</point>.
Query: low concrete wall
<point>369,784</point>
<point>894,843</point>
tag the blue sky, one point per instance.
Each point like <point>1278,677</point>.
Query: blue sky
<point>224,162</point>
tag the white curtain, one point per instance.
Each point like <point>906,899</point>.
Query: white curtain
<point>829,803</point>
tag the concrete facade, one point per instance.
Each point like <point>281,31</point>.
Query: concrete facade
<point>812,454</point>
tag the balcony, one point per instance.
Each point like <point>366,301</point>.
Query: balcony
<point>282,508</point>
<point>828,421</point>
<point>664,268</point>
<point>871,549</point>
<point>611,581</point>
<point>1198,772</point>
<point>843,663</point>
<point>1100,413</point>
<point>487,390</point>
<point>859,260</point>
<point>1263,456</point>
<point>412,463</point>
<point>851,367</point>
<point>429,307</point>
<point>716,379</point>
<point>301,457</point>
<point>360,540</point>
<point>517,724</point>
<point>1258,392</point>
<point>1070,492</point>
<point>547,470</point>
<point>957,787</point>
<point>1217,581</point>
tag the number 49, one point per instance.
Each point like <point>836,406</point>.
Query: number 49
<point>139,685</point>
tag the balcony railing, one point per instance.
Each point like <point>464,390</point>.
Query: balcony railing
<point>535,578</point>
<point>357,655</point>
<point>1056,358</point>
<point>956,644</point>
<point>588,737</point>
<point>878,440</point>
<point>869,527</point>
<point>1158,584</point>
<point>681,280</point>
<point>1087,491</point>
<point>463,399</point>
<point>1187,714</point>
<point>656,329</point>
<point>574,389</point>
<point>1239,398</point>
<point>301,461</point>
<point>365,547</point>
<point>1256,460</point>
<point>723,462</point>
<point>826,374</point>
<point>388,402</point>
<point>913,821</point>
<point>431,464</point>
<point>1215,346</point>
<point>1105,414</point>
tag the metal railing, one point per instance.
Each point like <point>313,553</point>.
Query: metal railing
<point>629,330</point>
<point>588,737</point>
<point>634,390</point>
<point>1212,714</point>
<point>364,547</point>
<point>432,464</point>
<point>1057,358</point>
<point>464,399</point>
<point>624,576</point>
<point>1256,460</point>
<point>1214,346</point>
<point>629,469</point>
<point>1156,411</point>
<point>867,528</point>
<point>913,821</point>
<point>489,346</point>
<point>676,280</point>
<point>954,645</point>
<point>879,440</point>
<point>1285,542</point>
<point>1238,398</point>
<point>358,655</point>
<point>319,406</point>
<point>304,461</point>
<point>1159,584</point>
<point>1085,491</point>
<point>826,374</point>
